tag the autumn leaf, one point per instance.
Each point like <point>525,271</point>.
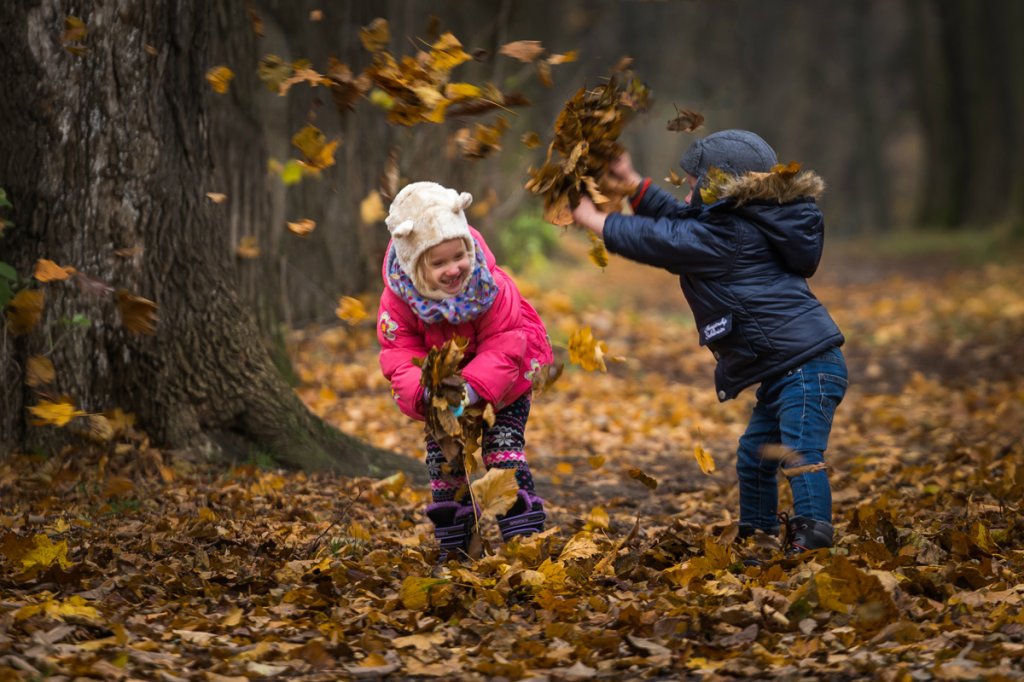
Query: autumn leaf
<point>496,491</point>
<point>316,15</point>
<point>48,271</point>
<point>586,351</point>
<point>524,50</point>
<point>74,35</point>
<point>376,36</point>
<point>530,140</point>
<point>99,428</point>
<point>54,413</point>
<point>579,546</point>
<point>24,311</point>
<point>318,152</point>
<point>674,178</point>
<point>302,227</point>
<point>351,310</point>
<point>447,53</point>
<point>371,209</point>
<point>598,254</point>
<point>704,459</point>
<point>686,121</point>
<point>273,71</point>
<point>219,78</point>
<point>639,475</point>
<point>138,314</point>
<point>248,247</point>
<point>391,177</point>
<point>39,371</point>
<point>415,591</point>
<point>45,552</point>
<point>216,197</point>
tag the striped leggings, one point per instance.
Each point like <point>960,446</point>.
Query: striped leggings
<point>502,447</point>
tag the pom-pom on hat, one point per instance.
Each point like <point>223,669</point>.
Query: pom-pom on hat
<point>423,215</point>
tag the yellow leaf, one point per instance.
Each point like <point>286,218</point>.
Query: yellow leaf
<point>99,428</point>
<point>39,371</point>
<point>376,36</point>
<point>569,56</point>
<point>316,15</point>
<point>351,310</point>
<point>531,140</point>
<point>496,491</point>
<point>48,271</point>
<point>219,77</point>
<point>25,310</point>
<point>358,531</point>
<point>216,197</point>
<point>44,553</point>
<point>233,618</point>
<point>415,591</point>
<point>302,227</point>
<point>598,254</point>
<point>580,546</point>
<point>74,33</point>
<point>596,461</point>
<point>371,209</point>
<point>704,459</point>
<point>597,519</point>
<point>248,247</point>
<point>54,413</point>
<point>313,144</point>
<point>586,351</point>
<point>137,314</point>
<point>447,53</point>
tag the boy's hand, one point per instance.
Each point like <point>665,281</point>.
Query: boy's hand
<point>588,217</point>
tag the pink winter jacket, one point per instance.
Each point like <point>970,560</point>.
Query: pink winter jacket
<point>506,344</point>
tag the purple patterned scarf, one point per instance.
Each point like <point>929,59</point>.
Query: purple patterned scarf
<point>473,301</point>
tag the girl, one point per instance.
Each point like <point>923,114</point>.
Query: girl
<point>441,280</point>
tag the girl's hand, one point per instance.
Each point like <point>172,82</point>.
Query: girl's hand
<point>588,217</point>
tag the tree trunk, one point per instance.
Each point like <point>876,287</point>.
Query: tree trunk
<point>106,161</point>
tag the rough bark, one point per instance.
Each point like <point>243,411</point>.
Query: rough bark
<point>109,151</point>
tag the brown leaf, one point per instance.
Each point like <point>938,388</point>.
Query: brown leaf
<point>686,121</point>
<point>248,247</point>
<point>302,227</point>
<point>48,271</point>
<point>376,36</point>
<point>24,311</point>
<point>391,177</point>
<point>638,475</point>
<point>138,314</point>
<point>496,492</point>
<point>524,50</point>
<point>39,371</point>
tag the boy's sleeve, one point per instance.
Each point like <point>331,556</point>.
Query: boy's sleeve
<point>657,203</point>
<point>400,342</point>
<point>501,346</point>
<point>679,245</point>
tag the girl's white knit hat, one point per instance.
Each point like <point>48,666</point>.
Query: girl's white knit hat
<point>423,215</point>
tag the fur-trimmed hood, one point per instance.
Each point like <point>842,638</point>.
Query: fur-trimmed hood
<point>780,188</point>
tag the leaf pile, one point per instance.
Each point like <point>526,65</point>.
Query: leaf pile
<point>123,562</point>
<point>585,141</point>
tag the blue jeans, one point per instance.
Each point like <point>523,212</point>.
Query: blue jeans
<point>795,410</point>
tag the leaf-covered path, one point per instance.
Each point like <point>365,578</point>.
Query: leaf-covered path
<point>132,563</point>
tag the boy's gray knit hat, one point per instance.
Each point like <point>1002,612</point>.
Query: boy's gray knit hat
<point>733,151</point>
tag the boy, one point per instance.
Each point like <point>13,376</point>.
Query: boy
<point>743,244</point>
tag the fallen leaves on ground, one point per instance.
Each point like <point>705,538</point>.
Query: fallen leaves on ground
<point>122,561</point>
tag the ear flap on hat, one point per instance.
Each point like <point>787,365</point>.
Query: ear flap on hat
<point>403,229</point>
<point>463,202</point>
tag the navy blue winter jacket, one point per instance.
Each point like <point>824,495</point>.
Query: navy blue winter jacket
<point>742,264</point>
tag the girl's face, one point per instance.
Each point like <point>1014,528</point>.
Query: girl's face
<point>691,180</point>
<point>446,266</point>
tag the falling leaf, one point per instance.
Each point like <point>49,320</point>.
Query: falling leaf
<point>786,170</point>
<point>596,461</point>
<point>638,475</point>
<point>302,227</point>
<point>318,152</point>
<point>150,50</point>
<point>74,35</point>
<point>291,172</point>
<point>376,36</point>
<point>273,71</point>
<point>686,121</point>
<point>389,179</point>
<point>99,428</point>
<point>316,15</point>
<point>248,247</point>
<point>371,209</point>
<point>39,371</point>
<point>351,310</point>
<point>704,459</point>
<point>219,77</point>
<point>138,314</point>
<point>255,20</point>
<point>586,351</point>
<point>48,271</point>
<point>598,254</point>
<point>556,59</point>
<point>50,413</point>
<point>674,178</point>
<point>531,140</point>
<point>24,311</point>
<point>496,491</point>
<point>216,197</point>
<point>447,53</point>
<point>523,50</point>
<point>597,519</point>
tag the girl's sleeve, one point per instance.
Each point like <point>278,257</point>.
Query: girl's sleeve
<point>400,342</point>
<point>501,347</point>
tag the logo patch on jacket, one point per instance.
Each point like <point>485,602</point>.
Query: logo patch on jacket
<point>709,331</point>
